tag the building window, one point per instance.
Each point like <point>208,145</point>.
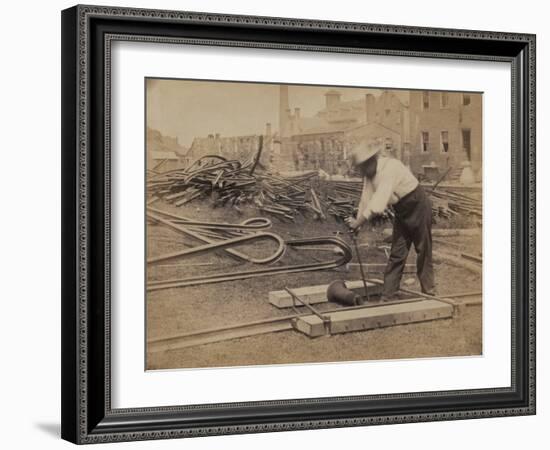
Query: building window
<point>467,142</point>
<point>444,99</point>
<point>425,141</point>
<point>466,100</point>
<point>444,141</point>
<point>387,111</point>
<point>425,100</point>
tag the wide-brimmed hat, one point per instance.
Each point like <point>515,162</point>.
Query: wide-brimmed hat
<point>364,150</point>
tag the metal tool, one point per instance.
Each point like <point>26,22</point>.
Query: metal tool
<point>338,292</point>
<point>363,276</point>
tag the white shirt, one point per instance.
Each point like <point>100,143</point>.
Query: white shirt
<point>393,180</point>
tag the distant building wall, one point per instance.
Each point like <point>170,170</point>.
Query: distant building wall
<point>240,148</point>
<point>445,130</point>
<point>165,150</point>
<point>389,139</point>
<point>324,140</point>
<point>233,147</point>
<point>315,151</point>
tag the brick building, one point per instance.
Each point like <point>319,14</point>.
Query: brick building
<point>323,141</point>
<point>238,148</point>
<point>445,130</point>
<point>163,152</point>
<point>428,130</point>
<point>422,128</point>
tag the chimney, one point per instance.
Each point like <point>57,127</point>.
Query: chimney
<point>284,111</point>
<point>369,108</point>
<point>289,130</point>
<point>332,98</point>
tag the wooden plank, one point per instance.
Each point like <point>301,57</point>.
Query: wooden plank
<point>318,293</point>
<point>374,317</point>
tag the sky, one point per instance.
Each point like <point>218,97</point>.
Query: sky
<point>191,108</point>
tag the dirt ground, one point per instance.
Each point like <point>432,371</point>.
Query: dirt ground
<point>172,312</point>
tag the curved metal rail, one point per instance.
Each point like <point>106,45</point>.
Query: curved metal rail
<point>252,224</point>
<point>344,258</point>
<point>198,163</point>
<point>200,237</point>
<point>248,238</point>
<point>223,166</point>
<point>192,168</point>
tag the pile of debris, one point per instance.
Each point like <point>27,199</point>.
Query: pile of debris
<point>286,197</point>
<point>232,183</point>
<point>446,202</point>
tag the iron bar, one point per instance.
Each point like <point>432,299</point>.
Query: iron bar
<point>248,238</point>
<point>344,258</point>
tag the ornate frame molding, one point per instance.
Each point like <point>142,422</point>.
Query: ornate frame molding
<point>78,425</point>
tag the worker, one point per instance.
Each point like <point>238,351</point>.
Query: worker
<point>387,181</point>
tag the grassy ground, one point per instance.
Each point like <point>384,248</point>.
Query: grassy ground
<point>182,310</point>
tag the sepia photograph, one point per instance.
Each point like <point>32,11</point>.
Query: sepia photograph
<point>298,224</point>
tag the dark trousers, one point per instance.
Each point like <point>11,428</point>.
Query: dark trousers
<point>412,225</point>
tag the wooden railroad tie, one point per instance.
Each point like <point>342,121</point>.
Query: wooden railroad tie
<point>318,293</point>
<point>368,318</point>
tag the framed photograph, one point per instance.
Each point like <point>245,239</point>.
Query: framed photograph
<point>279,224</point>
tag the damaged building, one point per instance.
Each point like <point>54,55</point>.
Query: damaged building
<point>239,148</point>
<point>163,152</point>
<point>429,131</point>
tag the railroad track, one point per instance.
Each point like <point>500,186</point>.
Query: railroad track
<point>266,326</point>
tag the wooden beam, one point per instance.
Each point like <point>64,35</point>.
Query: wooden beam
<point>374,317</point>
<point>318,293</point>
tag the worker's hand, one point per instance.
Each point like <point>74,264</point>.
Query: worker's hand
<point>353,224</point>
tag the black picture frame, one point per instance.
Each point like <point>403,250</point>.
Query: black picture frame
<point>87,32</point>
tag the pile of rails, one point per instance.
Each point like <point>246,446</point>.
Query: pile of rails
<point>232,183</point>
<point>286,197</point>
<point>229,181</point>
<point>343,198</point>
<point>446,202</point>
